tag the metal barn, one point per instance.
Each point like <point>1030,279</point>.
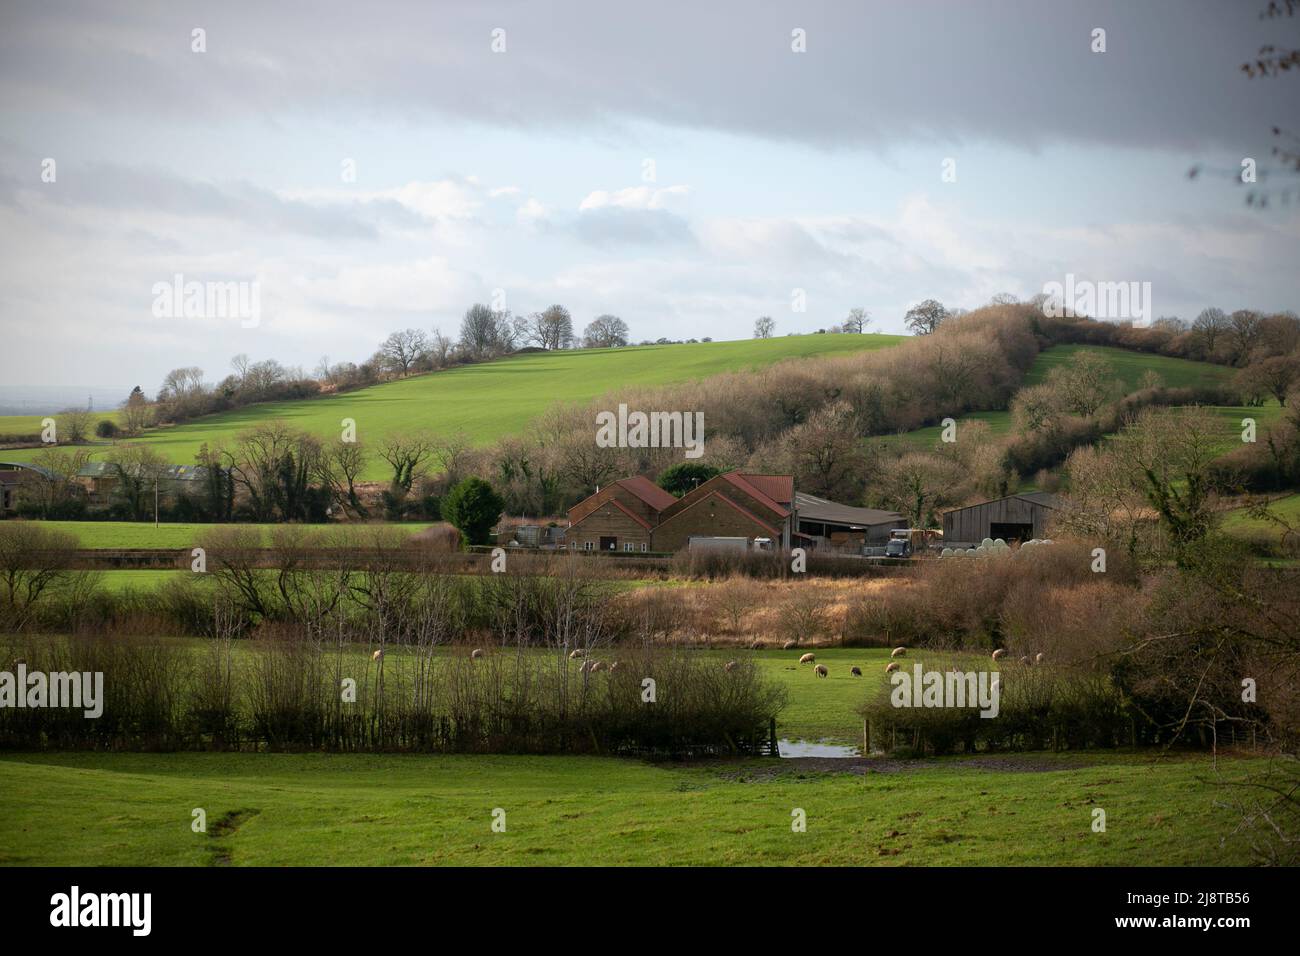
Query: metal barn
<point>1014,518</point>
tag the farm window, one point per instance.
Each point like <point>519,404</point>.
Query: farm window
<point>586,546</point>
<point>644,546</point>
<point>627,545</point>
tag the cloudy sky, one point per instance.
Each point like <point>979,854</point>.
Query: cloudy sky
<point>675,163</point>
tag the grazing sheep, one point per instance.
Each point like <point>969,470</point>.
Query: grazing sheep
<point>855,671</point>
<point>585,668</point>
<point>999,654</point>
<point>377,655</point>
<point>575,655</point>
<point>1038,658</point>
<point>476,653</point>
<point>598,666</point>
<point>755,645</point>
<point>730,666</point>
<point>807,658</point>
<point>789,645</point>
<point>821,671</point>
<point>898,652</point>
<point>615,666</point>
<point>891,667</point>
<point>1025,660</point>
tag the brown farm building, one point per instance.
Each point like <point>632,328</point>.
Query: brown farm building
<point>1013,518</point>
<point>635,514</point>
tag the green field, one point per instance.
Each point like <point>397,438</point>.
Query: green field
<point>143,534</point>
<point>1129,367</point>
<point>362,809</point>
<point>1239,521</point>
<point>498,398</point>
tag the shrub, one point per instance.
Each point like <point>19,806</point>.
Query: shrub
<point>473,508</point>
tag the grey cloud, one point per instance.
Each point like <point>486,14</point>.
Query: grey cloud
<point>1017,72</point>
<point>111,186</point>
<point>611,224</point>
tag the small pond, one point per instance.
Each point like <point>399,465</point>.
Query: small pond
<point>806,748</point>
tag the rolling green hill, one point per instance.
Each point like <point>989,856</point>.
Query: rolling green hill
<point>494,399</point>
<point>1129,367</point>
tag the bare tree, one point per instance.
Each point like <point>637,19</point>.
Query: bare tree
<point>403,349</point>
<point>1210,326</point>
<point>34,561</point>
<point>74,425</point>
<point>764,327</point>
<point>605,332</point>
<point>924,318</point>
<point>405,453</point>
<point>339,468</point>
<point>857,321</point>
<point>137,471</point>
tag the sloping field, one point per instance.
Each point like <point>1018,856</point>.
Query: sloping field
<point>1128,367</point>
<point>494,399</point>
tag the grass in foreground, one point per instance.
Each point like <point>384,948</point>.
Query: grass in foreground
<point>312,809</point>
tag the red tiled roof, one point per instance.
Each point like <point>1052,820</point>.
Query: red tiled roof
<point>743,483</point>
<point>647,491</point>
<point>779,488</point>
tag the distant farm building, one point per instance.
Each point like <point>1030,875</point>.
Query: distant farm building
<point>844,526</point>
<point>100,478</point>
<point>1013,518</point>
<point>635,515</point>
<point>13,476</point>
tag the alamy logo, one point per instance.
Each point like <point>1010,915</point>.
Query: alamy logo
<point>179,299</point>
<point>1098,300</point>
<point>952,688</point>
<point>651,430</point>
<point>80,690</point>
<point>103,909</point>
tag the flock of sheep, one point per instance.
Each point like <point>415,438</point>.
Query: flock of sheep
<point>593,666</point>
<point>821,671</point>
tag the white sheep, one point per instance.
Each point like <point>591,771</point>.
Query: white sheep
<point>891,667</point>
<point>807,658</point>
<point>999,654</point>
<point>598,666</point>
<point>377,655</point>
<point>789,645</point>
<point>898,652</point>
<point>476,653</point>
<point>1025,660</point>
<point>855,671</point>
<point>730,666</point>
<point>821,671</point>
<point>575,655</point>
<point>1039,658</point>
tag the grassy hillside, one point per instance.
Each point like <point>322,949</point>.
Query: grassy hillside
<point>1128,367</point>
<point>494,399</point>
